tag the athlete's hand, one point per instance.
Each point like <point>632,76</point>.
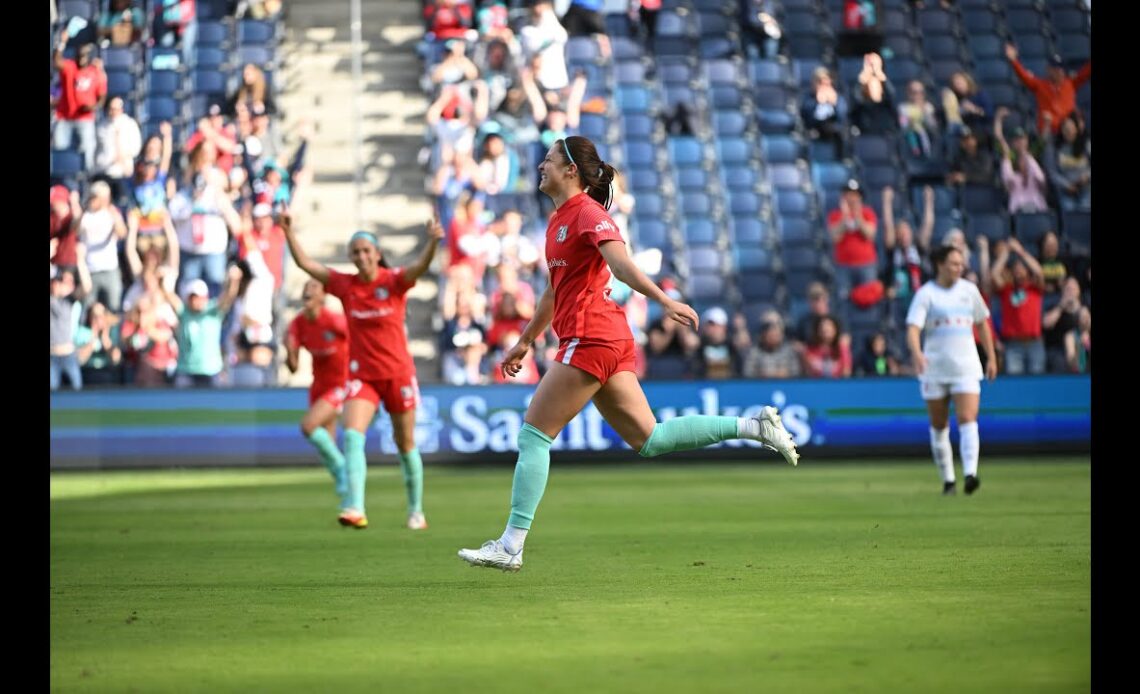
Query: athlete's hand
<point>285,219</point>
<point>919,362</point>
<point>434,228</point>
<point>682,313</point>
<point>512,363</point>
<point>991,369</point>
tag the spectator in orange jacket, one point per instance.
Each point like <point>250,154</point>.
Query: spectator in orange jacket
<point>1057,93</point>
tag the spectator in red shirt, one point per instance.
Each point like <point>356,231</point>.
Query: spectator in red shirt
<point>1056,94</point>
<point>213,127</point>
<point>449,19</point>
<point>852,227</point>
<point>65,211</point>
<point>83,89</point>
<point>1020,287</point>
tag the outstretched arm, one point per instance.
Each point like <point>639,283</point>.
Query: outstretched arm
<point>623,268</point>
<point>435,235</point>
<point>315,270</point>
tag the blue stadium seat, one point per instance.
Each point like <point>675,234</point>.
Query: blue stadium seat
<point>1027,21</point>
<point>707,286</point>
<point>729,123</point>
<point>797,231</point>
<point>637,126</point>
<point>781,149</point>
<point>261,56</point>
<point>786,177</point>
<point>935,20</point>
<point>806,45</point>
<point>593,126</point>
<point>625,48</point>
<point>743,203</point>
<point>749,231</point>
<point>770,96</point>
<point>942,47</point>
<point>87,9</point>
<point>66,163</point>
<point>695,204</point>
<point>830,175</point>
<point>120,58</point>
<point>717,47</point>
<point>629,72</point>
<point>759,286</point>
<point>752,259</point>
<point>646,180</point>
<point>617,25</point>
<point>993,225</point>
<point>985,46</point>
<point>685,151</point>
<point>703,259</point>
<point>766,72</point>
<point>162,108</point>
<point>640,154</point>
<point>670,23</point>
<point>212,33</point>
<point>210,58</point>
<point>581,49</point>
<point>633,99</point>
<point>163,83</point>
<point>739,177</point>
<point>801,258</point>
<point>1069,20</point>
<point>792,203</point>
<point>651,233</point>
<point>733,150</point>
<point>1076,49</point>
<point>699,232</point>
<point>721,72</point>
<point>981,199</point>
<point>723,98</point>
<point>1029,228</point>
<point>1077,229</point>
<point>212,9</point>
<point>874,149</point>
<point>980,21</point>
<point>120,83</point>
<point>692,178</point>
<point>775,120</point>
<point>256,32</point>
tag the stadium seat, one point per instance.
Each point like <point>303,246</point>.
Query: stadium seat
<point>629,72</point>
<point>699,232</point>
<point>739,177</point>
<point>1029,228</point>
<point>212,33</point>
<point>651,233</point>
<point>692,178</point>
<point>695,204</point>
<point>256,32</point>
<point>685,151</point>
<point>981,199</point>
<point>1077,229</point>
<point>729,123</point>
<point>743,203</point>
<point>787,177</point>
<point>781,149</point>
<point>993,226</point>
<point>749,230</point>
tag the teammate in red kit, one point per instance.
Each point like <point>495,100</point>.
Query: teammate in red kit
<point>379,365</point>
<point>325,334</point>
<point>596,357</point>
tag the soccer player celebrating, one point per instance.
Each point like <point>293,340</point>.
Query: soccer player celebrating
<point>595,359</point>
<point>380,368</point>
<point>325,334</point>
<point>947,308</point>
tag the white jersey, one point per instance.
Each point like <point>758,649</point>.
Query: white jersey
<point>947,317</point>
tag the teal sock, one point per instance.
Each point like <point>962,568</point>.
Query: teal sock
<point>331,457</point>
<point>356,467</point>
<point>531,472</point>
<point>690,431</point>
<point>413,469</point>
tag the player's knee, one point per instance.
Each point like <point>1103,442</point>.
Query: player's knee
<point>353,440</point>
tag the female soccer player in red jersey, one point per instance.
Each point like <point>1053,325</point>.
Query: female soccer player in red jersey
<point>379,365</point>
<point>324,333</point>
<point>595,359</point>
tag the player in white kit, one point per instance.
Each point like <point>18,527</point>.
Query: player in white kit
<point>947,309</point>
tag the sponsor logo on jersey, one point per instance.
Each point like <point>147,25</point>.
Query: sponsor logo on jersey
<point>382,293</point>
<point>605,225</point>
<point>329,336</point>
<point>555,262</point>
<point>561,233</point>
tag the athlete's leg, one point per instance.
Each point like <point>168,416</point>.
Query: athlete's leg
<point>966,409</point>
<point>358,414</point>
<point>623,404</point>
<point>404,433</point>
<point>939,410</point>
<point>319,427</point>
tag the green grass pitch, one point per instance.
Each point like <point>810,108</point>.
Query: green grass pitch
<point>830,577</point>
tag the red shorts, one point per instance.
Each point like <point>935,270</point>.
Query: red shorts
<point>397,394</point>
<point>598,358</point>
<point>332,394</point>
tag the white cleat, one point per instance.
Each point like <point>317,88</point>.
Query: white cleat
<point>774,436</point>
<point>492,555</point>
<point>416,521</point>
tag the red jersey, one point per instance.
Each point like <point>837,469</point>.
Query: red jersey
<point>854,248</point>
<point>377,336</point>
<point>65,251</point>
<point>579,274</point>
<point>79,86</point>
<point>272,247</point>
<point>1020,312</point>
<point>326,338</point>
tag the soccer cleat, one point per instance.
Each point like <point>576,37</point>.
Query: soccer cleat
<point>492,555</point>
<point>416,521</point>
<point>949,488</point>
<point>774,436</point>
<point>351,518</point>
<point>972,484</point>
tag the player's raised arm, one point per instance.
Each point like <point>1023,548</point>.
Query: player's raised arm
<point>313,268</point>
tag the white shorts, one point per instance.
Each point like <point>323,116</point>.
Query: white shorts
<point>936,390</point>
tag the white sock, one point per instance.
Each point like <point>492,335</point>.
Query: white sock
<point>943,454</point>
<point>968,445</point>
<point>513,539</point>
<point>747,428</point>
